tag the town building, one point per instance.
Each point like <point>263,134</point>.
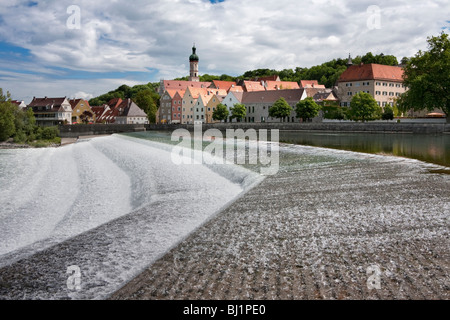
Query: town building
<point>99,112</point>
<point>165,106</point>
<point>51,111</point>
<point>384,83</point>
<point>20,104</point>
<point>230,100</point>
<point>258,104</point>
<point>177,105</point>
<point>130,113</point>
<point>211,107</point>
<point>180,85</point>
<point>81,111</point>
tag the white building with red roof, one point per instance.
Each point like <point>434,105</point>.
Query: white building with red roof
<point>384,83</point>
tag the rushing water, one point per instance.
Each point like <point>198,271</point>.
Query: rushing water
<point>113,205</point>
<point>428,148</point>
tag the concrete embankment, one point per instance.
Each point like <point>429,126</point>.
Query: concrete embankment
<point>417,128</point>
<point>75,131</point>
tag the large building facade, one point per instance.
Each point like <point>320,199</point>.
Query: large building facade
<point>384,83</point>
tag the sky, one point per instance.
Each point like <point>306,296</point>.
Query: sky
<point>82,49</point>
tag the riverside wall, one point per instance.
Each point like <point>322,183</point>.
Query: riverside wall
<point>417,128</point>
<point>75,131</point>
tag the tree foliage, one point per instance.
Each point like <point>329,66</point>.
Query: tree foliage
<point>280,109</point>
<point>20,124</point>
<point>124,92</point>
<point>427,75</point>
<point>147,100</point>
<point>307,109</point>
<point>364,108</point>
<point>7,123</point>
<point>388,113</point>
<point>221,113</point>
<point>238,111</point>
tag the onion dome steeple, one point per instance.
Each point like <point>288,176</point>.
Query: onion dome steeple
<point>194,56</point>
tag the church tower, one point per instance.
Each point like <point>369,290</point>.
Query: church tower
<point>193,59</point>
<point>349,61</point>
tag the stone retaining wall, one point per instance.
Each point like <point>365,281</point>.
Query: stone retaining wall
<point>323,127</point>
<point>74,131</point>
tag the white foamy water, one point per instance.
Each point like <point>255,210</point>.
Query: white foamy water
<point>48,196</point>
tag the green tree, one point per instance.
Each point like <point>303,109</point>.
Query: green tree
<point>280,109</point>
<point>7,120</point>
<point>307,109</point>
<point>221,113</point>
<point>364,108</point>
<point>427,76</point>
<point>388,113</point>
<point>238,111</point>
<point>145,99</point>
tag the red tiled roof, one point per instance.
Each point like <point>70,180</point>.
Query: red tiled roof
<point>281,85</point>
<point>372,72</point>
<point>236,89</point>
<point>43,102</point>
<point>251,86</point>
<point>309,83</point>
<point>114,103</point>
<point>174,84</point>
<point>226,85</point>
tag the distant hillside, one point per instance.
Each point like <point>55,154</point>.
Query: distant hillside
<point>123,92</point>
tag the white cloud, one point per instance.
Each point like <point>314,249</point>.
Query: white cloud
<point>231,37</point>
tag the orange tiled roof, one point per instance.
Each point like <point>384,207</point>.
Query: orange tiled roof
<point>252,86</point>
<point>281,85</point>
<point>227,85</point>
<point>174,84</point>
<point>372,72</point>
